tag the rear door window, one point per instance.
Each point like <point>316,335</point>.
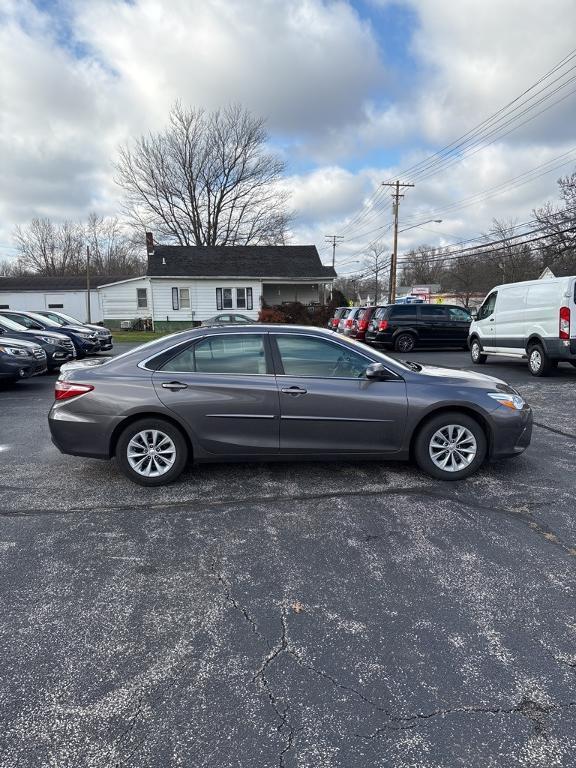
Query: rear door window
<point>433,313</point>
<point>403,312</point>
<point>225,354</point>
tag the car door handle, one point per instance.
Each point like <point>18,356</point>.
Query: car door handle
<point>293,391</point>
<point>491,319</point>
<point>174,385</point>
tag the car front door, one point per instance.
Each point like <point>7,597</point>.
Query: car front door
<point>485,322</point>
<point>327,405</point>
<point>459,320</point>
<point>434,326</point>
<point>223,387</point>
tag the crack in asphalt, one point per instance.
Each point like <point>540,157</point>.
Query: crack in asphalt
<point>555,431</point>
<point>235,604</point>
<point>264,684</point>
<point>533,710</point>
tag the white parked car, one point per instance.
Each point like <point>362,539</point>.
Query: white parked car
<point>535,319</point>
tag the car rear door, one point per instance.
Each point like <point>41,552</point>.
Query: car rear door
<point>224,388</point>
<point>327,405</point>
<point>459,320</point>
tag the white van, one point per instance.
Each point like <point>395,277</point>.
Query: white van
<point>535,319</point>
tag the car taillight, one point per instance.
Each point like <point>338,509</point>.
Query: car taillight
<point>349,323</point>
<point>383,325</point>
<point>564,322</point>
<point>64,390</point>
<point>334,322</point>
<point>362,325</point>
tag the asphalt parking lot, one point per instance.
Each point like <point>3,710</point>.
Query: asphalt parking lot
<point>292,615</point>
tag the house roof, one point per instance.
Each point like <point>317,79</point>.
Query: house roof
<point>282,261</point>
<point>56,284</point>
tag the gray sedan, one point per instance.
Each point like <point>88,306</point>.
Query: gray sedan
<point>266,392</point>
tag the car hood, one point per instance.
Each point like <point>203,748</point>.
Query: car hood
<point>99,328</point>
<point>58,337</point>
<point>19,342</point>
<point>450,375</point>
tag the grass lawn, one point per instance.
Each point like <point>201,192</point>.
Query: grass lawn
<point>137,337</point>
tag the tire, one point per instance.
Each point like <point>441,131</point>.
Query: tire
<point>539,364</point>
<point>163,436</point>
<point>478,358</point>
<point>436,432</point>
<point>404,342</point>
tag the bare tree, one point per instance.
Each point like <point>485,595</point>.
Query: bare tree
<point>558,251</point>
<point>511,257</point>
<point>208,179</point>
<point>422,266</point>
<point>113,251</point>
<point>11,268</point>
<point>49,248</point>
<point>376,262</point>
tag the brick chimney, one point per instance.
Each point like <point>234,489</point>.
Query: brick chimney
<point>149,244</point>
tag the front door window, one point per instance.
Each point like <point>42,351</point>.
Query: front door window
<point>306,356</point>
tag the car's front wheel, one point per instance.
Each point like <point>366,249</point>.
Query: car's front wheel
<point>450,446</point>
<point>151,452</point>
<point>478,357</point>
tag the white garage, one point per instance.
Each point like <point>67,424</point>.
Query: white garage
<point>69,294</point>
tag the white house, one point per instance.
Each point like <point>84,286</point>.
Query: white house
<point>67,293</point>
<point>184,285</point>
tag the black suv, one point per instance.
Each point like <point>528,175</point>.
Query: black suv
<point>405,326</point>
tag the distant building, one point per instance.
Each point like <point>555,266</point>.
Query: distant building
<point>33,292</point>
<point>184,285</point>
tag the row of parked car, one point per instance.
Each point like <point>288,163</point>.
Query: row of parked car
<point>405,326</point>
<point>32,343</point>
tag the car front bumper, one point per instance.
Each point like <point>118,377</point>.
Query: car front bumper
<point>18,368</point>
<point>512,432</point>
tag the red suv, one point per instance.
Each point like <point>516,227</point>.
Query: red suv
<point>361,322</point>
<point>335,319</point>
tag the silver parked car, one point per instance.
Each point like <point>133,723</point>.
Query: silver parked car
<point>265,392</point>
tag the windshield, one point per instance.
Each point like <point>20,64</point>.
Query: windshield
<point>66,318</point>
<point>5,322</point>
<point>44,320</point>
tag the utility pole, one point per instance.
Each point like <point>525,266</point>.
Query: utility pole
<point>334,239</point>
<point>397,185</point>
<point>88,309</point>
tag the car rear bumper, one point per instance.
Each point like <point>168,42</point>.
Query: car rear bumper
<point>80,434</point>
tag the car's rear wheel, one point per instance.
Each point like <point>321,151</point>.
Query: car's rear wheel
<point>450,446</point>
<point>539,364</point>
<point>404,342</point>
<point>151,452</point>
<point>478,357</point>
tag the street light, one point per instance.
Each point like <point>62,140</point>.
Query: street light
<point>422,223</point>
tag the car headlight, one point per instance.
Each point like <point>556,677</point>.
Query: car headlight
<point>48,340</point>
<point>508,400</point>
<point>15,351</point>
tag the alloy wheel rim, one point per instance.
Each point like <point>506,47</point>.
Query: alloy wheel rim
<point>452,448</point>
<point>405,344</point>
<point>151,453</point>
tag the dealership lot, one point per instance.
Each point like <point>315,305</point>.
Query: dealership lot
<point>289,614</point>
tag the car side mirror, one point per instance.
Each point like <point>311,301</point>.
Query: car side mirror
<point>474,314</point>
<point>377,372</point>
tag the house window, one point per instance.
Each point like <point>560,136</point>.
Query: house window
<point>184,298</point>
<point>224,298</point>
<point>142,298</point>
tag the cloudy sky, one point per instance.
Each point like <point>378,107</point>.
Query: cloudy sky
<point>355,93</point>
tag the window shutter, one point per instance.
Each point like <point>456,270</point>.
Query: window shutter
<point>175,300</point>
<point>218,298</point>
<point>249,304</point>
